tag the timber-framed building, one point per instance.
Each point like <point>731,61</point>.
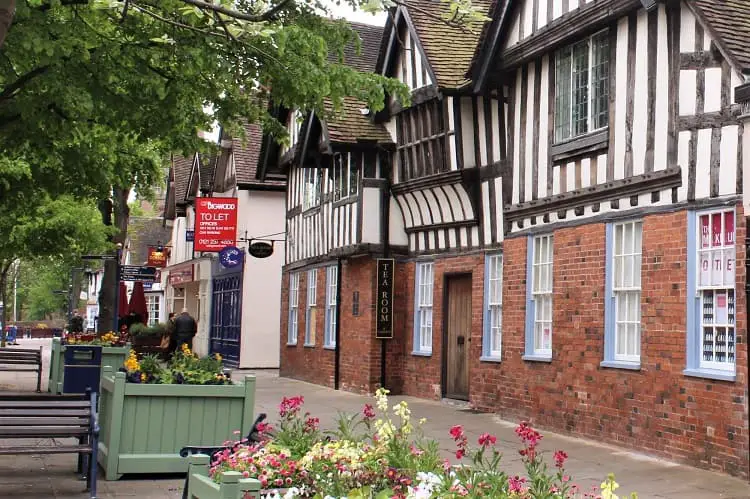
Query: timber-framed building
<point>563,201</point>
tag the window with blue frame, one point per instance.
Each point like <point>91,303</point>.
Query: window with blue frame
<point>331,304</point>
<point>423,308</point>
<point>539,298</point>
<point>493,309</point>
<point>711,294</point>
<point>311,309</point>
<point>622,308</point>
<point>293,308</point>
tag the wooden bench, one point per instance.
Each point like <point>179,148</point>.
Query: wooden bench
<point>20,359</point>
<point>73,417</point>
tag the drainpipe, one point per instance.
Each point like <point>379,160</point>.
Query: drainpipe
<point>385,213</point>
<point>337,351</point>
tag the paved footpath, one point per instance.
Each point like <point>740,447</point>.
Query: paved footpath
<point>53,476</point>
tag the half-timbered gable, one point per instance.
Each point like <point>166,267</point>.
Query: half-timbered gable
<point>611,107</point>
<point>447,182</point>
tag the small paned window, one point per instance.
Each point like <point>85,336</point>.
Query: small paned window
<point>345,175</point>
<point>493,322</point>
<point>421,148</point>
<point>423,308</point>
<point>331,305</point>
<point>311,311</point>
<point>310,188</point>
<point>293,307</point>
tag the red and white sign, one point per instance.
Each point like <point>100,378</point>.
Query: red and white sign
<point>215,223</point>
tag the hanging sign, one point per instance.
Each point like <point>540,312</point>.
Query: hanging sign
<point>384,302</point>
<point>215,223</point>
<point>137,273</point>
<point>157,258</point>
<point>260,249</point>
<point>230,257</point>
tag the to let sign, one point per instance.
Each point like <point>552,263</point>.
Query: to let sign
<point>215,223</point>
<point>384,303</point>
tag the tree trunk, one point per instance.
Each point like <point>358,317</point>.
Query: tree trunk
<point>108,293</point>
<point>7,10</point>
<point>4,268</point>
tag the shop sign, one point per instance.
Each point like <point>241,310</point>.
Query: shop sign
<point>137,273</point>
<point>230,257</point>
<point>260,249</point>
<point>180,275</point>
<point>215,223</point>
<point>189,236</point>
<point>384,303</point>
<point>157,258</point>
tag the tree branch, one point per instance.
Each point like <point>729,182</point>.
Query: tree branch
<point>235,14</point>
<point>20,82</point>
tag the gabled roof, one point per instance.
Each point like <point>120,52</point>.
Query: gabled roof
<point>181,169</point>
<point>207,164</point>
<point>730,21</point>
<point>449,49</point>
<point>367,57</point>
<point>247,156</point>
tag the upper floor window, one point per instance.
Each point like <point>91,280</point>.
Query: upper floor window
<point>582,87</point>
<point>310,188</point>
<point>345,174</point>
<point>421,134</point>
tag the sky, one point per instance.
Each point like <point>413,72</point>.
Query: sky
<point>358,16</point>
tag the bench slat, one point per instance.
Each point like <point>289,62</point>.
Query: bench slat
<point>62,449</point>
<point>48,413</point>
<point>44,431</point>
<point>45,404</point>
<point>42,421</point>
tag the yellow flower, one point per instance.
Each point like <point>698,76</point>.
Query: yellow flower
<point>143,377</point>
<point>218,357</point>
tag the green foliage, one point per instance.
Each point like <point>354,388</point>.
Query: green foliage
<point>143,330</point>
<point>37,280</point>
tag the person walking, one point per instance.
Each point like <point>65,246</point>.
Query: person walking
<point>185,328</point>
<point>76,323</point>
<point>12,334</point>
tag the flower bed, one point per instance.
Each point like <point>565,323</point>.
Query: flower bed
<point>185,368</point>
<point>380,458</point>
<point>113,354</point>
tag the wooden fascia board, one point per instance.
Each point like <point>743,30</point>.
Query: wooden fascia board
<point>723,50</point>
<point>570,26</point>
<point>418,43</point>
<point>194,175</point>
<point>392,42</point>
<point>492,47</point>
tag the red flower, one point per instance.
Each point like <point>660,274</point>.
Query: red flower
<point>311,425</point>
<point>460,453</point>
<point>368,412</point>
<point>516,484</point>
<point>457,432</point>
<point>290,406</point>
<point>486,439</point>
<point>528,435</point>
<point>560,457</point>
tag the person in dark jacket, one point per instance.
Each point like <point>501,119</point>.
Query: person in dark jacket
<point>76,323</point>
<point>185,329</point>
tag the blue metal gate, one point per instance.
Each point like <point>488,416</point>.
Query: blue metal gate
<point>226,318</point>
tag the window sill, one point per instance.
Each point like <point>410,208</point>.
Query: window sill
<point>710,374</point>
<point>422,354</point>
<point>495,360</point>
<point>620,364</point>
<point>309,345</point>
<point>537,358</point>
<point>581,145</point>
<point>291,344</point>
<point>329,347</point>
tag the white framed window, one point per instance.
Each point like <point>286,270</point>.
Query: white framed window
<point>582,87</point>
<point>493,314</point>
<point>310,314</point>
<point>310,188</point>
<point>622,312</point>
<point>153,305</point>
<point>423,308</point>
<point>332,275</point>
<point>345,173</point>
<point>293,308</point>
<point>539,298</point>
<point>716,254</point>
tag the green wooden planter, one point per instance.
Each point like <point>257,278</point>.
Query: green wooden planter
<point>143,427</point>
<point>232,485</point>
<point>111,356</point>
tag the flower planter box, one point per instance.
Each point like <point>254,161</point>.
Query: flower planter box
<point>232,485</point>
<point>143,426</point>
<point>146,344</point>
<point>111,356</point>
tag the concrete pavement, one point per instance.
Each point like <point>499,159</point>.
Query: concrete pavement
<point>589,462</point>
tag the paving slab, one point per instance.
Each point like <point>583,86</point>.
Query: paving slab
<point>53,476</point>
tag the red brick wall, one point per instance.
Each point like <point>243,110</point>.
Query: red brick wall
<point>657,409</point>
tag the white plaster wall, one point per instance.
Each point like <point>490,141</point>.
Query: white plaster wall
<point>261,213</point>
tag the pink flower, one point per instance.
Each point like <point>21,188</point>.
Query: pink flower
<point>311,425</point>
<point>290,406</point>
<point>528,435</point>
<point>486,439</point>
<point>560,457</point>
<point>368,412</point>
<point>460,453</point>
<point>516,484</point>
<point>457,432</point>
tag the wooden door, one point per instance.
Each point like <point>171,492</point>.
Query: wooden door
<point>457,337</point>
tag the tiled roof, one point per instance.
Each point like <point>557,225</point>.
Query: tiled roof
<point>144,232</point>
<point>246,156</point>
<point>207,164</point>
<point>181,168</point>
<point>730,19</point>
<point>350,125</point>
<point>449,49</point>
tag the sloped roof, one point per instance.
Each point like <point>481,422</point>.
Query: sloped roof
<point>181,168</point>
<point>144,232</point>
<point>247,155</point>
<point>207,164</point>
<point>730,19</point>
<point>350,125</point>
